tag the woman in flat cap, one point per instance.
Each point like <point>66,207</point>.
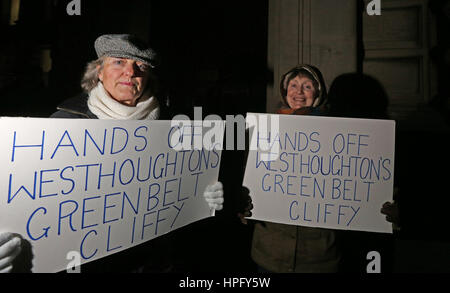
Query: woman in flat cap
<point>120,84</point>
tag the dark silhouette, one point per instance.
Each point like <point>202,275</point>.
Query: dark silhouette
<point>356,95</point>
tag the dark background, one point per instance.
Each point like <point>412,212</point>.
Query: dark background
<point>214,55</point>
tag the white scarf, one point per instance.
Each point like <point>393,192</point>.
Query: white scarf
<point>104,107</point>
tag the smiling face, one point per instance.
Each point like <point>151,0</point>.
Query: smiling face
<point>300,92</point>
<point>124,79</point>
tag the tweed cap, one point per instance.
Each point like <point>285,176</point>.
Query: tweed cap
<point>125,46</point>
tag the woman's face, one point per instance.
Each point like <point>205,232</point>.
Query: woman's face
<point>124,79</point>
<point>300,92</point>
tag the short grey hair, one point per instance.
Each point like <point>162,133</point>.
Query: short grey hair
<point>90,77</point>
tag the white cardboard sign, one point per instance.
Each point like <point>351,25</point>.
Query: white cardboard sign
<point>321,171</point>
<point>97,187</point>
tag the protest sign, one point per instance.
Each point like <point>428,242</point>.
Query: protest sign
<point>321,171</point>
<point>96,187</point>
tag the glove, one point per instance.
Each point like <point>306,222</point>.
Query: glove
<point>10,247</point>
<point>246,209</point>
<point>214,196</point>
<point>391,211</point>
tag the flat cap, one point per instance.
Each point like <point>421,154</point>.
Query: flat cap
<point>125,46</point>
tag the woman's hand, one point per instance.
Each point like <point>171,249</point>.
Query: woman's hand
<point>248,205</point>
<point>10,247</point>
<point>390,209</point>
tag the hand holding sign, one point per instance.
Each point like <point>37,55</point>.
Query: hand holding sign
<point>390,209</point>
<point>214,196</point>
<point>10,247</point>
<point>245,210</point>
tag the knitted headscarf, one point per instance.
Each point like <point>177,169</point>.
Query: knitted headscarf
<point>311,72</point>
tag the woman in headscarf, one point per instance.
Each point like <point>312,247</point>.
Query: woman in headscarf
<point>303,91</point>
<point>289,248</point>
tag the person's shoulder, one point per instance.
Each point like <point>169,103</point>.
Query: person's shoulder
<point>74,107</point>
